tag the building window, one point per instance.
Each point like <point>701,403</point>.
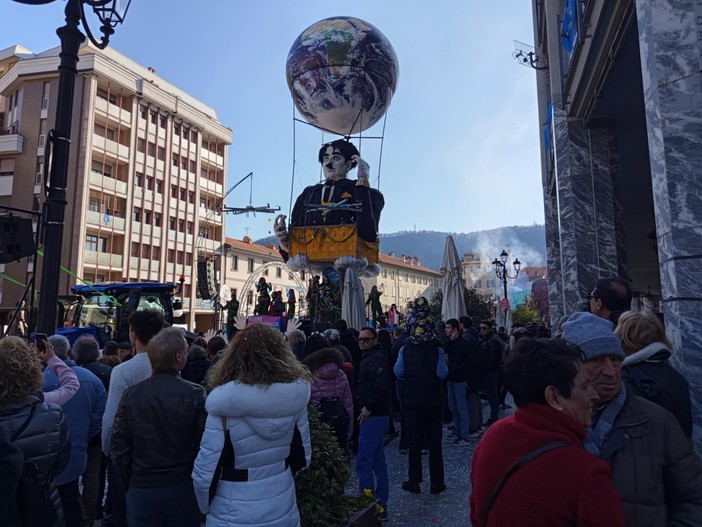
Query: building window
<point>157,219</point>
<point>278,272</point>
<point>193,167</point>
<point>190,227</point>
<point>141,145</point>
<point>147,217</point>
<point>146,251</point>
<point>156,253</point>
<point>235,263</point>
<point>170,255</point>
<point>174,192</point>
<point>180,257</point>
<point>135,250</point>
<point>149,182</point>
<point>191,197</point>
<point>176,129</point>
<point>182,194</point>
<point>181,226</point>
<point>172,223</point>
<point>162,122</point>
<point>136,215</point>
<point>161,153</point>
<point>251,265</point>
<point>139,179</point>
<point>249,298</point>
<point>142,112</point>
<point>159,186</point>
<point>153,117</point>
<point>91,243</point>
<point>385,273</point>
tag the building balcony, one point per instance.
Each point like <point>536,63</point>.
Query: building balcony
<point>103,259</point>
<point>211,187</point>
<point>210,215</point>
<point>114,112</point>
<point>11,144</point>
<point>110,147</point>
<point>106,221</point>
<point>212,158</point>
<point>108,183</point>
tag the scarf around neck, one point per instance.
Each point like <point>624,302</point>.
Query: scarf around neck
<point>596,436</point>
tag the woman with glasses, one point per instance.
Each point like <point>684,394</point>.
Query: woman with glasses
<point>562,486</point>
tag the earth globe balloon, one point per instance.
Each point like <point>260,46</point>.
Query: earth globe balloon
<point>342,73</point>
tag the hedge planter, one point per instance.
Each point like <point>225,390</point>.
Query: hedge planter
<point>365,518</point>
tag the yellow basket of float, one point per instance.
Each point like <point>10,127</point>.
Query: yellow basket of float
<point>327,243</point>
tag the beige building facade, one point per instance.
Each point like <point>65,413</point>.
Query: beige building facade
<point>401,280</point>
<point>146,173</point>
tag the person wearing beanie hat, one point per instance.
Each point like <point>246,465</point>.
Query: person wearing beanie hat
<point>654,467</point>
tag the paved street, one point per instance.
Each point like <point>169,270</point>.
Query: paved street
<point>450,508</point>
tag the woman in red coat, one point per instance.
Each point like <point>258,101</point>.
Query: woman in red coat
<point>565,486</point>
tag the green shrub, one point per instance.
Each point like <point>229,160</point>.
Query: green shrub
<point>320,488</point>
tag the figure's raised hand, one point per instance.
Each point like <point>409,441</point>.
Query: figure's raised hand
<point>209,334</point>
<point>240,322</point>
<point>293,324</point>
<point>281,231</point>
<point>363,171</point>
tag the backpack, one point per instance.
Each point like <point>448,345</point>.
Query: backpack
<point>32,505</point>
<point>332,413</point>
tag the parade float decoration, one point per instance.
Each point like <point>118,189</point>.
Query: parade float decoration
<point>342,73</point>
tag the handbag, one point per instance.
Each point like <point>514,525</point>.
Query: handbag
<point>529,456</point>
<point>296,460</point>
<point>226,460</point>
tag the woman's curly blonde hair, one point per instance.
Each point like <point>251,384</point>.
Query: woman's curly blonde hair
<point>257,355</point>
<point>20,371</point>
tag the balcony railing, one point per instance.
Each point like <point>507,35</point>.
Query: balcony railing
<point>103,259</point>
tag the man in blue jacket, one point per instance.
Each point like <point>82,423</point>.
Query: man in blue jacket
<point>83,415</point>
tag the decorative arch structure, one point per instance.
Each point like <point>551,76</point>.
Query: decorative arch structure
<point>258,273</point>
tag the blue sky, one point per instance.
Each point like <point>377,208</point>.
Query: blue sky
<point>461,143</point>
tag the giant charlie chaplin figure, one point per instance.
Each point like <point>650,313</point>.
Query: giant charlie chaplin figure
<point>335,222</point>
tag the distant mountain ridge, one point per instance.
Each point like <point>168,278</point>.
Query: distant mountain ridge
<point>528,243</point>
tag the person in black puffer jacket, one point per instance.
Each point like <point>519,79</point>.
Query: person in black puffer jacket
<point>422,366</point>
<point>646,370</point>
<point>44,439</point>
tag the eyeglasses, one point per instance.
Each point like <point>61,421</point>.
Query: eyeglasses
<point>365,339</point>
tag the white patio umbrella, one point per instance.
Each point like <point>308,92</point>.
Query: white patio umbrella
<point>452,286</point>
<point>353,308</point>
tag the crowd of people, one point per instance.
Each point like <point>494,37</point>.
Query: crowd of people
<point>164,432</point>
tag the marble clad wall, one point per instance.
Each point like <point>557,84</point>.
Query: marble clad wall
<point>670,38</point>
<point>553,256</point>
<point>588,214</point>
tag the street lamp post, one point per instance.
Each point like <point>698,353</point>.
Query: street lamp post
<point>500,267</point>
<point>110,13</point>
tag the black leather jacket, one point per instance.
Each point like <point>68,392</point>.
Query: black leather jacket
<point>157,432</point>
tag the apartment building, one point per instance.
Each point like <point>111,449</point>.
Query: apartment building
<point>401,280</point>
<point>146,172</point>
<point>619,99</point>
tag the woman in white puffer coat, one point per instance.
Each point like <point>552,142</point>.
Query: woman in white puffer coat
<point>259,394</point>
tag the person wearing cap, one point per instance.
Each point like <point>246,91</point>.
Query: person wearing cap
<point>654,466</point>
